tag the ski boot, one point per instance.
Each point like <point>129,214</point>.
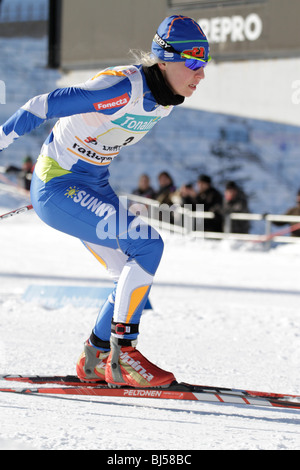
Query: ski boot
<point>91,364</point>
<point>127,366</point>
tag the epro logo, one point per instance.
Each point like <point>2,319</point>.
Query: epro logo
<point>112,103</point>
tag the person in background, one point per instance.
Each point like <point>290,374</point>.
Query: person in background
<point>166,188</point>
<point>144,188</point>
<point>207,196</point>
<point>24,173</point>
<point>295,210</point>
<point>166,196</point>
<point>235,201</point>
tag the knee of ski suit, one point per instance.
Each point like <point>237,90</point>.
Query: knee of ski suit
<point>147,252</point>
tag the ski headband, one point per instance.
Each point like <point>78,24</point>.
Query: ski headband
<point>180,37</point>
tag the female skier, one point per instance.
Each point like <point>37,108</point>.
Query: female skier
<point>71,193</point>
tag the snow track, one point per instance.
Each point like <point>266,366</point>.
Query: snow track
<point>223,314</point>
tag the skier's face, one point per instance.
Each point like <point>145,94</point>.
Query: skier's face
<point>182,80</point>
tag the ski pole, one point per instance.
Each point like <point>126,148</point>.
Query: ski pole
<point>16,211</point>
<point>283,231</point>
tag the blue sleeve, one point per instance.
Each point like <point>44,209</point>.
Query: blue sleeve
<point>21,122</point>
<point>76,100</point>
<point>66,102</point>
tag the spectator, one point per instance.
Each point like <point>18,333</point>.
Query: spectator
<point>144,188</point>
<point>292,211</point>
<point>209,197</point>
<point>166,196</point>
<point>166,188</point>
<point>235,201</point>
<point>24,173</point>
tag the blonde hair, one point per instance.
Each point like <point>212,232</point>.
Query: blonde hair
<point>144,58</point>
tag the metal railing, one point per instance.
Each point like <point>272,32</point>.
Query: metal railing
<point>183,221</point>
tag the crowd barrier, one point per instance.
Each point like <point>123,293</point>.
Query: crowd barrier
<point>183,221</point>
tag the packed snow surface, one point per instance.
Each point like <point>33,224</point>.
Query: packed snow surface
<point>224,314</point>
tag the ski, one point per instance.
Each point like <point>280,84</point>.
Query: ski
<point>71,385</point>
<point>16,211</point>
<point>67,380</point>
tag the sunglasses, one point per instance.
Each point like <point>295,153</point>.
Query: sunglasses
<point>194,63</point>
<point>191,62</point>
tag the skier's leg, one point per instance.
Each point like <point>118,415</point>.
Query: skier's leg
<point>96,216</point>
<point>113,261</point>
<point>125,304</point>
<point>125,364</point>
<point>91,363</point>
